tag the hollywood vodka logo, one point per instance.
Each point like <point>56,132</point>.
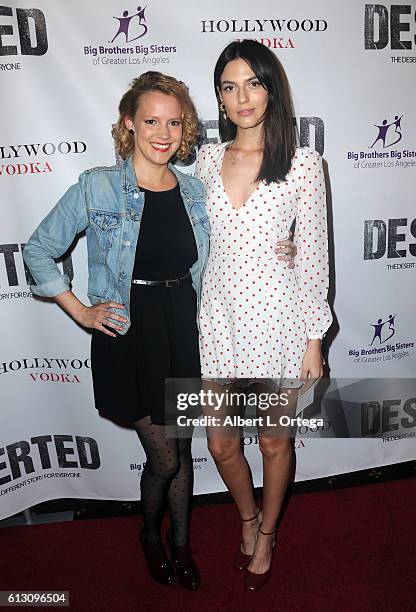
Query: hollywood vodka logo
<point>135,22</point>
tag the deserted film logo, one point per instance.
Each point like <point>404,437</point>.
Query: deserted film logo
<point>124,46</point>
<point>391,28</point>
<point>22,33</point>
<point>43,454</point>
<point>15,276</point>
<point>392,418</point>
<point>391,239</point>
<point>19,160</point>
<point>383,344</point>
<point>311,132</point>
<point>273,33</point>
<point>382,150</point>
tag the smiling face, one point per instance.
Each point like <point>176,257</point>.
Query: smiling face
<point>244,97</point>
<point>157,127</point>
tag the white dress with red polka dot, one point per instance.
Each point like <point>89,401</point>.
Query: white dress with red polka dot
<point>256,314</point>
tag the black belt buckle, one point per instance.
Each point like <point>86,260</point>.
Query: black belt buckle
<point>171,283</point>
<point>162,283</point>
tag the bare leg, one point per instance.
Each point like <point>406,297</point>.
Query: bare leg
<point>277,449</point>
<point>225,447</point>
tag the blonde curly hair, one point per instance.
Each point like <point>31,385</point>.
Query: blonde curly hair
<point>156,81</point>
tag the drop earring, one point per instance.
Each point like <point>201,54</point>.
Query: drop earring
<point>223,111</point>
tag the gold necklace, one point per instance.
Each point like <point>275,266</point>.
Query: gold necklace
<point>236,159</point>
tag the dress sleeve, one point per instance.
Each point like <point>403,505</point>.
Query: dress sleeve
<point>201,162</point>
<point>311,240</point>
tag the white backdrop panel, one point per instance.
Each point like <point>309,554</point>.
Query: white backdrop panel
<point>60,93</point>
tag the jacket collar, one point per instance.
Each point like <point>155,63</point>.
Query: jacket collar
<point>129,181</point>
<point>128,176</point>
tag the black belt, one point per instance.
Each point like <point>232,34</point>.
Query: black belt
<point>162,283</point>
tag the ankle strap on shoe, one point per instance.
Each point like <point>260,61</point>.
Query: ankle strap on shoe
<point>253,517</point>
<point>269,533</point>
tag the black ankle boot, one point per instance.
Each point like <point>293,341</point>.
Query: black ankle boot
<point>187,571</point>
<point>158,564</point>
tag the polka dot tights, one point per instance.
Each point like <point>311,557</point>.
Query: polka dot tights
<point>167,480</point>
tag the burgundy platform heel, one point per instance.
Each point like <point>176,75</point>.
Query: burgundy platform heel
<point>241,560</point>
<point>254,582</point>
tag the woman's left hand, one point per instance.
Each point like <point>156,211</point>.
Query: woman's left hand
<point>312,365</point>
<point>286,251</point>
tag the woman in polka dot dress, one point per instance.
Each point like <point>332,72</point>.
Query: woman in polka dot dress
<point>260,321</point>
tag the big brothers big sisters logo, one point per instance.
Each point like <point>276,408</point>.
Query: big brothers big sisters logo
<point>127,22</point>
<point>389,132</point>
<point>381,347</point>
<point>124,47</point>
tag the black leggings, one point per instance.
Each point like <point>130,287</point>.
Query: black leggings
<point>167,478</point>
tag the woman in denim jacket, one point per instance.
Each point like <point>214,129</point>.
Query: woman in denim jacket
<point>149,295</point>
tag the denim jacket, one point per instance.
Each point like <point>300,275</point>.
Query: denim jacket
<point>107,203</point>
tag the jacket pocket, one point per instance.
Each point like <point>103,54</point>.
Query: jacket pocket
<point>105,225</point>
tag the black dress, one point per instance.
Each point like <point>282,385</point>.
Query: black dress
<point>129,371</point>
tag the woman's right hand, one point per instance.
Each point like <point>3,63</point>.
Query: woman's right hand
<point>101,317</point>
<point>286,250</point>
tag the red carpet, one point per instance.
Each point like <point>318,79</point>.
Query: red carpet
<point>348,549</point>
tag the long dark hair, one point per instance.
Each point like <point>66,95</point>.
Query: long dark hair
<point>279,129</point>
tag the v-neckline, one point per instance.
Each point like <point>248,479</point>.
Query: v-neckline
<point>221,183</point>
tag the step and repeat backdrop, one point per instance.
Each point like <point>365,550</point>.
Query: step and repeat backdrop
<point>63,69</point>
